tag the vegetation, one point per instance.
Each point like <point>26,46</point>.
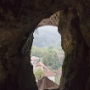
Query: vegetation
<point>51,59</point>
<point>49,56</point>
<point>39,73</point>
<point>45,38</point>
<point>57,79</point>
<point>47,46</point>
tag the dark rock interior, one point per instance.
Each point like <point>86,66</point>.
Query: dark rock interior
<point>19,18</point>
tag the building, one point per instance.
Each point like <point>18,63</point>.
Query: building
<point>46,84</point>
<point>34,60</point>
<point>48,73</point>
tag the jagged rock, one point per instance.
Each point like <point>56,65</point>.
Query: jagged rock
<point>53,20</point>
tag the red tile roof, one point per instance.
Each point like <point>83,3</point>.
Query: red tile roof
<point>41,64</point>
<point>47,71</point>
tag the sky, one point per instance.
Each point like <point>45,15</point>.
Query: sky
<point>48,28</point>
<point>51,29</point>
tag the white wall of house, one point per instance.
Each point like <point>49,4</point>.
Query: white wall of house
<point>52,78</point>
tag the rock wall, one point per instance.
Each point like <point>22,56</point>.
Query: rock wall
<point>76,66</point>
<point>18,19</point>
<point>52,20</point>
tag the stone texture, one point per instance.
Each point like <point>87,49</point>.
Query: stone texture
<point>52,20</point>
<point>18,19</point>
<point>76,64</point>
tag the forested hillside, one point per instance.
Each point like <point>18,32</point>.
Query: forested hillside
<point>47,46</point>
<point>45,38</point>
<point>49,56</point>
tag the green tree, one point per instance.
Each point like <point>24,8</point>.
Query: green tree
<point>49,56</point>
<point>51,59</point>
<point>39,73</point>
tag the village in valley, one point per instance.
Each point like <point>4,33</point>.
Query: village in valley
<point>47,75</point>
<point>47,58</point>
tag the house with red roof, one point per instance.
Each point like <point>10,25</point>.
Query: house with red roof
<point>50,75</point>
<point>48,72</point>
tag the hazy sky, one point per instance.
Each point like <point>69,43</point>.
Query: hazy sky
<point>48,28</point>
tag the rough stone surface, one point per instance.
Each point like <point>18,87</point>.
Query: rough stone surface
<point>19,18</point>
<point>76,64</point>
<point>52,20</point>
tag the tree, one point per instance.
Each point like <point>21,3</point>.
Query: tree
<point>51,59</point>
<point>39,73</point>
<point>49,56</point>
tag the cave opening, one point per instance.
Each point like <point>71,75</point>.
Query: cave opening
<point>73,43</point>
<point>27,68</point>
<point>47,55</point>
<point>17,23</point>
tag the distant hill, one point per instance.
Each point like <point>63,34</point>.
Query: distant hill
<point>45,38</point>
<point>47,46</point>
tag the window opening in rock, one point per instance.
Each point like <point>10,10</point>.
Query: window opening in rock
<point>47,54</point>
